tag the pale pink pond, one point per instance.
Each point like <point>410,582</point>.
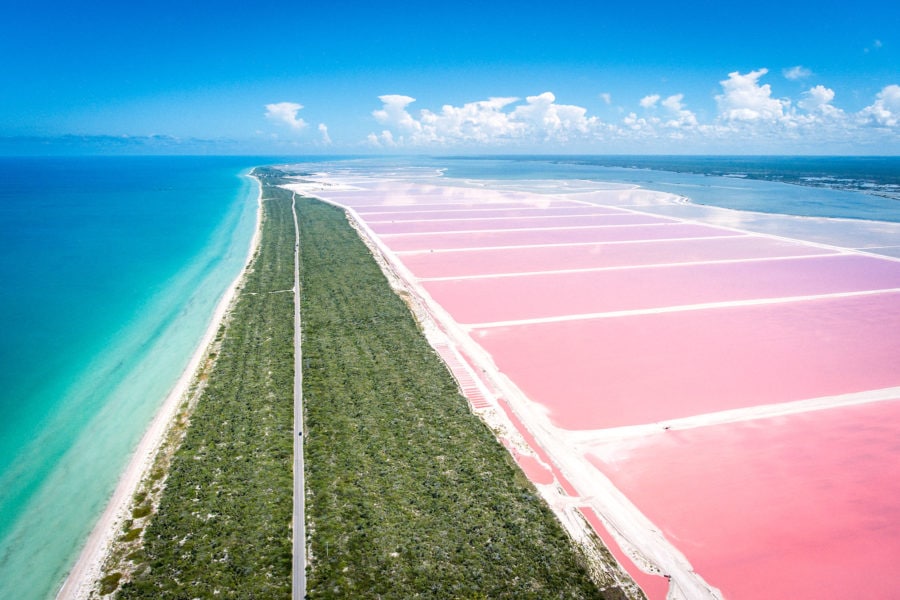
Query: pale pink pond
<point>678,319</point>
<point>418,213</point>
<point>451,225</point>
<point>652,367</point>
<point>552,258</point>
<point>548,295</point>
<point>803,506</point>
<point>365,207</point>
<point>441,241</point>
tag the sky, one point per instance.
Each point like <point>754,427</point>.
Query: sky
<point>337,77</point>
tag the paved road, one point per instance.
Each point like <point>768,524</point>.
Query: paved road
<point>299,544</point>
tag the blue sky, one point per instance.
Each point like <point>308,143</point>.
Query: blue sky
<point>489,77</point>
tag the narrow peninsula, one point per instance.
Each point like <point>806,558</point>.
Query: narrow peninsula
<point>408,494</point>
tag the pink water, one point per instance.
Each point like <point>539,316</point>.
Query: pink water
<point>804,506</point>
<point>653,586</point>
<point>548,295</point>
<point>597,373</point>
<point>535,222</point>
<point>800,506</point>
<point>661,231</point>
<point>418,213</point>
<point>553,258</point>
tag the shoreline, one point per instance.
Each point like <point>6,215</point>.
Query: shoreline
<point>87,569</point>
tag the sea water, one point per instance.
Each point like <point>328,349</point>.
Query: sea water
<point>861,188</point>
<point>866,188</point>
<point>110,271</point>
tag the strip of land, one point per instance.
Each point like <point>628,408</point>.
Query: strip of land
<point>408,493</point>
<point>223,525</point>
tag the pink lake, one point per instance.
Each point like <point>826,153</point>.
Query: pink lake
<point>605,318</point>
<point>804,506</point>
<point>548,295</point>
<point>648,368</point>
<point>605,233</point>
<point>416,213</point>
<point>553,258</point>
<point>535,222</point>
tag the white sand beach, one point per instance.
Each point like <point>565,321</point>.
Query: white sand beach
<point>87,569</point>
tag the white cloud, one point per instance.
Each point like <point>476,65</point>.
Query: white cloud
<point>606,97</point>
<point>286,112</point>
<point>484,121</point>
<point>323,129</point>
<point>745,100</point>
<point>795,73</point>
<point>749,119</point>
<point>554,122</point>
<point>885,111</point>
<point>818,100</point>
<point>490,121</point>
<point>649,101</point>
<point>681,117</point>
<point>394,111</point>
<point>385,140</point>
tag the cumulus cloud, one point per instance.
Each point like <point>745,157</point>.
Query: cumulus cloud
<point>385,140</point>
<point>680,116</point>
<point>484,121</point>
<point>748,117</point>
<point>669,119</point>
<point>885,111</point>
<point>286,112</point>
<point>394,111</point>
<point>606,97</point>
<point>795,73</point>
<point>323,129</point>
<point>745,100</point>
<point>543,117</point>
<point>818,100</point>
<point>649,101</point>
<point>539,118</point>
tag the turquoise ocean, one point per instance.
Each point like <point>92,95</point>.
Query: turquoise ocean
<point>112,267</point>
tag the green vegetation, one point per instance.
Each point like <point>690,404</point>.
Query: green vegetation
<point>409,495</point>
<point>109,583</point>
<point>141,511</point>
<point>132,534</point>
<point>222,528</point>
